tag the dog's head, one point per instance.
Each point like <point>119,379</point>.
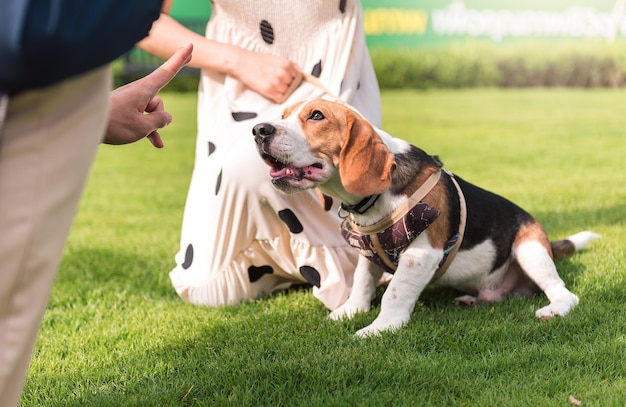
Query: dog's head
<point>323,143</point>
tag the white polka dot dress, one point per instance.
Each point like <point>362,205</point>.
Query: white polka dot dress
<point>241,238</point>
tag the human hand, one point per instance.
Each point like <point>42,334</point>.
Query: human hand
<point>136,111</point>
<point>266,74</point>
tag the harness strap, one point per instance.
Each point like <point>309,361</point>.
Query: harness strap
<point>378,250</point>
<point>399,213</point>
<point>462,223</point>
<point>394,217</point>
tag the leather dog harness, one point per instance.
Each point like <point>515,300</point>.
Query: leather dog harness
<point>384,242</point>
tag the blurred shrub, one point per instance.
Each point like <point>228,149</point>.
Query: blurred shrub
<point>519,64</point>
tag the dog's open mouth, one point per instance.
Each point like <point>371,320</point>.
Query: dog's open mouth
<point>280,170</point>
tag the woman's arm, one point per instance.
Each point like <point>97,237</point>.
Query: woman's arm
<point>266,74</point>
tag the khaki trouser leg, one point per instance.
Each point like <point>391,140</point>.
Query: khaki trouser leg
<point>47,147</point>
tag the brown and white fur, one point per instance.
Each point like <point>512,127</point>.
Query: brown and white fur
<point>505,251</point>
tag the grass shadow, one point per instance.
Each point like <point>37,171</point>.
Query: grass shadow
<point>87,269</point>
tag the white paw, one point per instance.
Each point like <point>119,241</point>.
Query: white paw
<point>347,311</point>
<point>367,331</point>
<point>378,326</point>
<point>467,300</point>
<point>558,308</point>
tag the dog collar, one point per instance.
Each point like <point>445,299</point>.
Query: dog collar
<point>360,207</point>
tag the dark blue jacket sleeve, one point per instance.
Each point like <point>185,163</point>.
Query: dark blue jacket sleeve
<point>46,41</point>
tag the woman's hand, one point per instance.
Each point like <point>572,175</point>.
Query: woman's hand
<point>265,74</point>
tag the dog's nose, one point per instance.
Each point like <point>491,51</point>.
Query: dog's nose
<point>263,130</point>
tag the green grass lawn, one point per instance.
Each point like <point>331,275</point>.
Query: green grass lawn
<point>116,334</point>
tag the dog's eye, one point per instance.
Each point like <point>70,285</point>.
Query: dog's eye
<point>316,115</point>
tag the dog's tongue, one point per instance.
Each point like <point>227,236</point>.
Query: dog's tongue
<point>278,172</point>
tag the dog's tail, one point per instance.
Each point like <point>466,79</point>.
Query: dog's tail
<point>572,244</point>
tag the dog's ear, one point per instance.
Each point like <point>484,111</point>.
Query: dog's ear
<point>365,162</point>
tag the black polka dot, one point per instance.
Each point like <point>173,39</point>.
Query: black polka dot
<point>255,273</point>
<point>317,69</point>
<point>267,32</point>
<point>291,220</point>
<point>342,6</point>
<point>218,183</point>
<point>327,202</point>
<point>358,85</point>
<point>311,275</point>
<point>211,147</point>
<point>241,116</point>
<point>188,257</point>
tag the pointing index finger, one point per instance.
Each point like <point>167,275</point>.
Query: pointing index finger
<point>168,70</point>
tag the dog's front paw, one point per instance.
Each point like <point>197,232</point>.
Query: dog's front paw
<point>558,308</point>
<point>378,326</point>
<point>347,311</point>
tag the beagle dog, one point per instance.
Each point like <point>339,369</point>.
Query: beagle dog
<point>409,216</point>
